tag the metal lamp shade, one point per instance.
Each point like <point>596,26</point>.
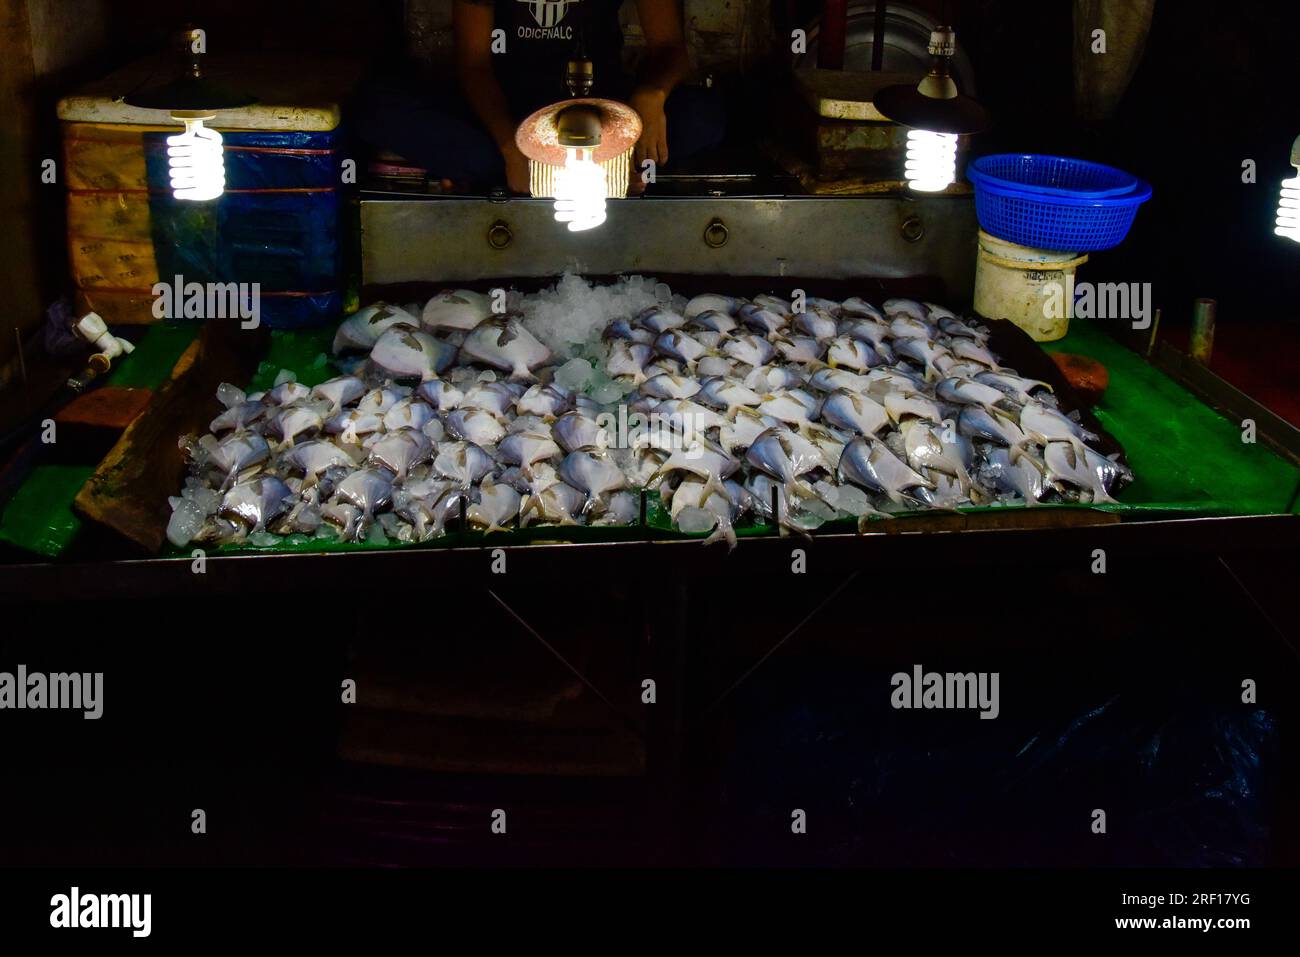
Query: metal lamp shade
<point>538,136</point>
<point>190,94</point>
<point>905,104</point>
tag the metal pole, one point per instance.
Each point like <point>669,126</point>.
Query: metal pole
<point>878,37</point>
<point>1151,340</point>
<point>831,34</point>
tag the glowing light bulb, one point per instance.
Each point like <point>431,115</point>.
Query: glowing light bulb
<point>1288,210</point>
<point>931,160</point>
<point>580,191</point>
<point>196,162</point>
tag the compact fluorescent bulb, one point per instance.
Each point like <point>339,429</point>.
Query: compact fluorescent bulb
<point>580,191</point>
<point>931,165</point>
<point>196,162</point>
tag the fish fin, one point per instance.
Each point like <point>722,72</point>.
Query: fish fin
<point>723,531</point>
<point>712,484</point>
<point>1100,496</point>
<point>801,532</point>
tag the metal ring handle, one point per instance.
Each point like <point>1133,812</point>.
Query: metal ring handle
<point>716,234</point>
<point>499,235</point>
<point>912,229</point>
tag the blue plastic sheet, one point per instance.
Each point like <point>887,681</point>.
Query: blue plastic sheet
<point>1183,783</point>
<point>279,224</point>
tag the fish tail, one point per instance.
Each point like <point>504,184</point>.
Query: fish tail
<point>712,484</point>
<point>723,531</point>
<point>1100,496</point>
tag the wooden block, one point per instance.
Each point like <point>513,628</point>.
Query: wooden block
<point>1087,376</point>
<point>1000,519</point>
<point>847,94</point>
<point>128,492</point>
<point>108,407</point>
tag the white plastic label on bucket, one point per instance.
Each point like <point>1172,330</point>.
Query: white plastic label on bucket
<point>1031,287</point>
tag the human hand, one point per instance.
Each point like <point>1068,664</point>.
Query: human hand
<point>516,169</point>
<point>653,144</point>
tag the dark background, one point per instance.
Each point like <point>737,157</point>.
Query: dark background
<point>231,704</point>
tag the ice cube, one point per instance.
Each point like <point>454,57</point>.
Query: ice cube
<point>853,501</point>
<point>820,509</point>
<point>808,521</point>
<point>206,499</point>
<point>695,521</point>
<point>830,494</point>
<point>574,374</point>
<point>185,523</point>
<point>607,392</point>
<point>229,395</point>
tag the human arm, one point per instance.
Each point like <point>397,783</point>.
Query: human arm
<point>664,66</point>
<point>472,24</point>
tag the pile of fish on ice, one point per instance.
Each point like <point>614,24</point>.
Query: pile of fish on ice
<point>731,409</point>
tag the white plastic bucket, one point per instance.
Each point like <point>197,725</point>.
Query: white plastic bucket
<point>1031,287</point>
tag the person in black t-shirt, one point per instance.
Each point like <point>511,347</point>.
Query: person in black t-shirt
<point>470,140</point>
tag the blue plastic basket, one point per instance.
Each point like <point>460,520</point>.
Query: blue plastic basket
<point>1054,202</point>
